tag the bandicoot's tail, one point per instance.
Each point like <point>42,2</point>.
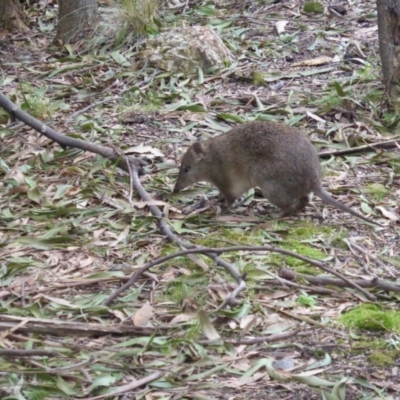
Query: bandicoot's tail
<point>327,198</point>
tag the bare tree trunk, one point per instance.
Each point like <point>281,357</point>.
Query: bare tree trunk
<point>12,16</point>
<point>74,19</point>
<point>389,47</point>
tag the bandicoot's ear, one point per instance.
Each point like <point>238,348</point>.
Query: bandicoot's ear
<point>198,148</point>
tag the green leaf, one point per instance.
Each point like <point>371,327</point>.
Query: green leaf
<point>61,190</point>
<point>103,381</point>
<point>35,195</point>
<point>339,89</point>
<point>206,11</point>
<point>121,36</point>
<point>120,59</point>
<point>65,387</point>
<point>241,312</point>
<point>231,117</point>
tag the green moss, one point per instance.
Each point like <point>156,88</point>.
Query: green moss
<point>304,250</point>
<point>371,317</point>
<point>299,240</point>
<point>311,232</point>
<point>381,353</point>
<point>314,7</point>
<point>258,78</point>
<point>232,237</point>
<point>308,269</point>
<point>382,359</point>
<point>376,344</point>
<point>319,353</point>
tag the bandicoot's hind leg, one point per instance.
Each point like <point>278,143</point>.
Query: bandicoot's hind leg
<point>277,196</point>
<point>296,207</point>
<point>301,203</point>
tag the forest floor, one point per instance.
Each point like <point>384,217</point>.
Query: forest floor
<point>73,231</point>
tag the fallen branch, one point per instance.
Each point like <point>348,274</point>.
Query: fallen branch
<point>66,141</point>
<point>221,250</point>
<point>63,328</point>
<point>325,281</point>
<point>310,289</point>
<point>388,144</point>
<point>27,353</point>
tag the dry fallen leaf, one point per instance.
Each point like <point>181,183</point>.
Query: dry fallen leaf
<point>393,216</point>
<point>280,26</point>
<point>315,61</point>
<point>143,315</point>
<point>142,149</point>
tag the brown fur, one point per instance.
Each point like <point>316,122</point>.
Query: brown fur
<point>277,158</point>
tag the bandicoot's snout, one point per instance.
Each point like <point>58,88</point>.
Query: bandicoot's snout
<point>179,185</point>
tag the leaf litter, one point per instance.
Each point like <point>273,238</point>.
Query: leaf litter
<point>71,234</point>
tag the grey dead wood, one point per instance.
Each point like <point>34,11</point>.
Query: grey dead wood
<point>27,353</point>
<point>66,141</point>
<point>326,281</point>
<point>8,323</point>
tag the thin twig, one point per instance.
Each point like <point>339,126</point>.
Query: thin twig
<point>369,256</point>
<point>388,144</point>
<point>27,353</point>
<point>323,280</point>
<point>67,141</point>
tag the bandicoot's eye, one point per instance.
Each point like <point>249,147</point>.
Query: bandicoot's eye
<point>186,169</point>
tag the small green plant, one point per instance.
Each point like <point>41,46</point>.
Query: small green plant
<point>258,78</point>
<point>393,343</point>
<point>35,102</point>
<point>329,101</point>
<point>140,14</point>
<point>314,7</point>
<point>3,116</point>
<point>307,300</point>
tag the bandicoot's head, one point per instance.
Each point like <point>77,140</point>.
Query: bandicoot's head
<point>194,167</point>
